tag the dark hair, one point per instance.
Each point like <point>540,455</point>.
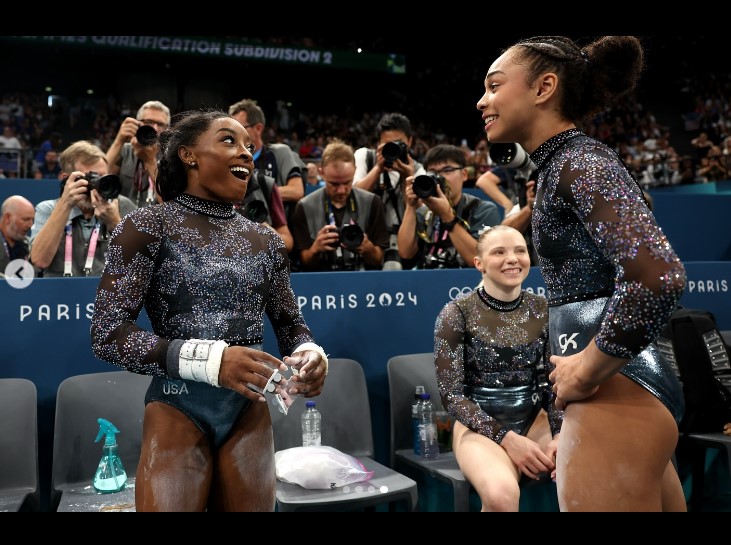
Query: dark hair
<point>185,130</point>
<point>443,153</point>
<point>593,77</point>
<point>394,122</point>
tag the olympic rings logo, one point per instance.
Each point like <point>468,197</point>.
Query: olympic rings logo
<point>456,293</point>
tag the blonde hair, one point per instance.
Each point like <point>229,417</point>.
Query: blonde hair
<point>487,231</point>
<point>83,153</point>
<point>337,150</point>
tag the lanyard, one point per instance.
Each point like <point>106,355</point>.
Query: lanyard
<point>68,258</point>
<point>5,245</point>
<point>351,212</point>
<point>437,228</point>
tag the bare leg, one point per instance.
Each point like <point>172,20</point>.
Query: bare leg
<point>614,451</point>
<point>488,467</point>
<point>174,473</point>
<point>673,496</point>
<point>245,474</point>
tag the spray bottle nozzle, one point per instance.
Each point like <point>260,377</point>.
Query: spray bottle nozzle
<point>108,429</point>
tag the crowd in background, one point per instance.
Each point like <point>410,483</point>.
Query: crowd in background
<point>657,155</point>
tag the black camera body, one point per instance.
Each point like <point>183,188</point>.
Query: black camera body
<point>425,186</point>
<point>146,136</point>
<point>442,259</point>
<point>393,151</point>
<point>255,211</point>
<point>109,186</point>
<point>351,236</point>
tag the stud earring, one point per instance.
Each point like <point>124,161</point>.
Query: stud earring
<point>192,163</point>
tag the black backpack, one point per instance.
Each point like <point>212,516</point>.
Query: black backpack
<point>695,347</point>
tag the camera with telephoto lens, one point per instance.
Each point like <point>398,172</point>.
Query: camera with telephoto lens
<point>109,186</point>
<point>425,186</point>
<point>351,236</point>
<point>146,136</point>
<point>256,211</point>
<point>512,156</point>
<point>393,151</point>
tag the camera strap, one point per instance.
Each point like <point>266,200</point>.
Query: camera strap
<point>144,182</point>
<point>69,253</point>
<point>350,217</point>
<point>384,184</point>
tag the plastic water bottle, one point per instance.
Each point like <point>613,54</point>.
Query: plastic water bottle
<point>415,417</point>
<point>428,439</point>
<point>311,426</point>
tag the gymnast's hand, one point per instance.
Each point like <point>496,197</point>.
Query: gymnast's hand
<point>310,371</point>
<point>241,366</point>
<point>527,455</point>
<point>569,383</point>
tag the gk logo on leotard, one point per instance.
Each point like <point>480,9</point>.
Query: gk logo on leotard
<point>564,342</point>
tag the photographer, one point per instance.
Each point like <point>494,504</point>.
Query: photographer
<point>82,219</point>
<point>519,217</point>
<point>384,170</point>
<point>440,231</point>
<point>133,154</point>
<point>339,227</point>
<point>712,167</point>
<point>263,204</point>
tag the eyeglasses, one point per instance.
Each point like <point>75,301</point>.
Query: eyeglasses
<point>151,122</point>
<point>447,170</point>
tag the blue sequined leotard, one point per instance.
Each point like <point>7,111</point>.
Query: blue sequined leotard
<point>490,361</point>
<point>201,271</point>
<point>610,272</point>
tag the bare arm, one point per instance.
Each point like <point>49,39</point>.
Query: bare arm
<point>45,243</point>
<point>488,183</point>
<point>126,132</point>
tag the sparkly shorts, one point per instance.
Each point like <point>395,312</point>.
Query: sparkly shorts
<point>514,407</point>
<point>572,326</point>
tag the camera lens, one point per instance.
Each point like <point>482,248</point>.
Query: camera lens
<point>256,211</point>
<point>109,186</point>
<point>146,136</point>
<point>393,151</point>
<point>425,186</point>
<point>351,236</point>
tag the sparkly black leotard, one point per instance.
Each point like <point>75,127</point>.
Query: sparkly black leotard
<point>490,360</point>
<point>201,271</point>
<point>609,269</point>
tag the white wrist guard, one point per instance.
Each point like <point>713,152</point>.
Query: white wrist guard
<point>315,348</point>
<point>201,360</point>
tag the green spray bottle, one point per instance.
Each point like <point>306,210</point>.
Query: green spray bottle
<point>110,475</point>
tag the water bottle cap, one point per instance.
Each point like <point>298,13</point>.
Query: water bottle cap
<point>310,404</point>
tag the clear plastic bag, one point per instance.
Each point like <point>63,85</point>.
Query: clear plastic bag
<point>320,468</point>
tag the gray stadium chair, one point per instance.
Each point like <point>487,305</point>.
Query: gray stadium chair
<point>19,489</point>
<point>117,396</point>
<point>405,373</point>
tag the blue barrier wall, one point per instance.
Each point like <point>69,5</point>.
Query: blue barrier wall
<point>696,218</point>
<point>367,316</point>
